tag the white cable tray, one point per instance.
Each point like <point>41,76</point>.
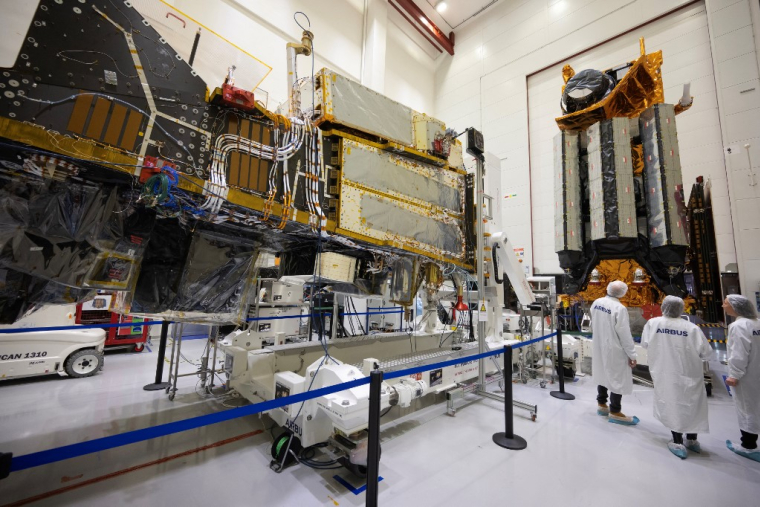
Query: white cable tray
<point>420,358</point>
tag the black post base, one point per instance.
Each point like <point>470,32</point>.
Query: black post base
<point>6,458</point>
<point>157,386</point>
<point>515,443</point>
<point>562,396</point>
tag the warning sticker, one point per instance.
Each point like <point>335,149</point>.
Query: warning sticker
<point>482,311</point>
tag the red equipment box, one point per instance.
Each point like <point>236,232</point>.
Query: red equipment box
<point>97,312</point>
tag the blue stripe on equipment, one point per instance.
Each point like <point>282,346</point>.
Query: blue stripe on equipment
<point>36,459</point>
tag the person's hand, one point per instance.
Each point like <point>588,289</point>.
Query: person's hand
<point>732,382</point>
<point>632,363</point>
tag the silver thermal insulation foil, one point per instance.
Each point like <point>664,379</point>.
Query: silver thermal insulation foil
<point>610,180</point>
<point>567,192</point>
<point>401,202</point>
<point>354,105</point>
<point>662,177</point>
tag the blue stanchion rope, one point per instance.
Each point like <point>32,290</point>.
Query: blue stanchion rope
<point>40,458</point>
<point>155,322</point>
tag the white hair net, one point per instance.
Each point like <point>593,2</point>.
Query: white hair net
<point>617,289</point>
<point>742,306</point>
<point>672,306</point>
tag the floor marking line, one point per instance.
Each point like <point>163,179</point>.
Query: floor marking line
<point>343,482</point>
<point>102,478</point>
<point>195,337</point>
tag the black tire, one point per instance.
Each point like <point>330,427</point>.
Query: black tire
<point>84,363</point>
<point>708,388</point>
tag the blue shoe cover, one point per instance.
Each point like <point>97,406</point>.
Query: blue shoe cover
<point>632,421</point>
<point>678,449</point>
<point>753,454</point>
<point>693,446</point>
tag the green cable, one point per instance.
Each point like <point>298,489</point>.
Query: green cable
<point>163,182</point>
<point>282,441</point>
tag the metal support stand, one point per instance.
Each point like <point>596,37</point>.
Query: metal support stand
<point>171,389</point>
<point>334,318</point>
<point>373,442</point>
<point>561,394</point>
<point>214,343</point>
<point>480,266</point>
<point>508,439</point>
<point>158,384</point>
<point>207,384</point>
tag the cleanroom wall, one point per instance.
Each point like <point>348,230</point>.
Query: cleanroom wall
<point>486,85</point>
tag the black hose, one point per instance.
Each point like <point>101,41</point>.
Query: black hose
<point>496,264</point>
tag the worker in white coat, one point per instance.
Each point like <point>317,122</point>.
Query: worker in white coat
<point>744,372</point>
<point>677,349</point>
<point>614,354</point>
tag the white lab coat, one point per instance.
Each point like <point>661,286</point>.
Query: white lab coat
<point>612,345</point>
<point>744,365</point>
<point>676,350</point>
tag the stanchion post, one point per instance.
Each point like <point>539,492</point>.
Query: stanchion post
<point>158,385</point>
<point>508,439</point>
<point>373,442</point>
<point>6,458</point>
<point>561,394</point>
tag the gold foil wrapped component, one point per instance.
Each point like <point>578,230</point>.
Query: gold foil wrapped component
<point>640,88</point>
<point>637,159</point>
<point>567,73</point>
<point>622,269</point>
<point>680,109</point>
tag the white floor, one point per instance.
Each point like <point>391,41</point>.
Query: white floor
<point>574,457</point>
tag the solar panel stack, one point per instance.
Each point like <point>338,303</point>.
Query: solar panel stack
<point>612,201</point>
<point>662,177</point>
<point>568,233</point>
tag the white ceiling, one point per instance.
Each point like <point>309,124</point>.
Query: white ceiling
<point>458,11</point>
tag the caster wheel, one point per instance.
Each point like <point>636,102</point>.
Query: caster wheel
<point>138,347</point>
<point>167,390</point>
<point>533,417</point>
<point>171,396</point>
<point>543,384</point>
<point>279,446</point>
<point>708,388</point>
